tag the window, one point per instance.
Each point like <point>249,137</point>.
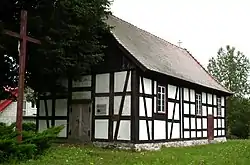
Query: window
<point>219,106</point>
<point>161,98</point>
<point>198,105</point>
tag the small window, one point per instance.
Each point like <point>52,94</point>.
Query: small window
<point>219,105</point>
<point>198,104</point>
<point>161,98</point>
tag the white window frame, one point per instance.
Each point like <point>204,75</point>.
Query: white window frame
<point>198,104</point>
<point>161,95</point>
<point>219,106</point>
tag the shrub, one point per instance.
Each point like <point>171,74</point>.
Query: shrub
<point>26,126</point>
<point>33,143</point>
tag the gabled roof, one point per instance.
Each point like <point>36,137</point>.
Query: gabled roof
<point>158,55</point>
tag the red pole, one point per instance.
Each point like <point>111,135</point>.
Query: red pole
<point>22,58</point>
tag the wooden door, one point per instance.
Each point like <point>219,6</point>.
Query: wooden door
<point>210,127</point>
<point>79,121</point>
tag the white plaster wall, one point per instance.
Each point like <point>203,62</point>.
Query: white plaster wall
<point>171,111</point>
<point>215,112</point>
<point>186,108</point>
<point>199,133</point>
<point>209,98</point>
<point>84,81</point>
<point>143,133</point>
<point>126,107</point>
<point>63,133</point>
<point>119,81</point>
<point>215,100</point>
<point>155,87</point>
<point>147,86</point>
<point>102,100</point>
<point>142,107</point>
<point>204,123</point>
<point>219,123</point>
<point>102,83</point>
<point>186,122</point>
<point>43,125</point>
<point>61,107</point>
<point>204,133</point>
<point>123,131</point>
<point>155,104</point>
<point>210,110</point>
<point>215,123</point>
<point>101,128</point>
<point>42,108</point>
<point>172,92</point>
<point>223,112</point>
<point>81,95</point>
<point>30,111</point>
<point>199,123</point>
<point>204,97</point>
<point>186,94</point>
<point>192,95</point>
<point>222,101</point>
<point>192,109</point>
<point>193,134</point>
<point>192,123</point>
<point>186,134</point>
<point>176,130</point>
<point>223,123</point>
<point>204,111</point>
<point>8,116</point>
<point>159,129</point>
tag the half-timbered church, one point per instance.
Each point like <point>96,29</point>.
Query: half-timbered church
<point>146,93</point>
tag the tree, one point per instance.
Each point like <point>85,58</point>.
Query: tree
<point>71,32</point>
<point>231,68</point>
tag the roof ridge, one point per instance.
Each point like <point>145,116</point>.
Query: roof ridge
<point>184,49</point>
<point>206,70</point>
<point>147,32</point>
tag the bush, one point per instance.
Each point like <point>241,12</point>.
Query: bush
<point>33,143</point>
<point>26,126</point>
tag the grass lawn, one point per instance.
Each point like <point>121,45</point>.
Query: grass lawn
<point>236,152</point>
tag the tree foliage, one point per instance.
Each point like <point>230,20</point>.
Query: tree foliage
<point>71,33</point>
<point>231,68</point>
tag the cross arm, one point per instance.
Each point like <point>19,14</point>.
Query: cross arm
<point>13,34</point>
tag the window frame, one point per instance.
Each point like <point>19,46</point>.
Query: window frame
<point>161,95</point>
<point>198,104</point>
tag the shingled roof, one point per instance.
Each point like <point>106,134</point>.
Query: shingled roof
<point>161,56</point>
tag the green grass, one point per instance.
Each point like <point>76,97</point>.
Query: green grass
<point>236,152</point>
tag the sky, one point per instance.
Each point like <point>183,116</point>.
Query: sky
<point>203,26</point>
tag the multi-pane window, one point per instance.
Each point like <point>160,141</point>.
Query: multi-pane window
<point>198,104</point>
<point>219,105</point>
<point>161,99</point>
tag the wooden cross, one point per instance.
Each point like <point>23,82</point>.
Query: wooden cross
<point>179,43</point>
<point>22,58</point>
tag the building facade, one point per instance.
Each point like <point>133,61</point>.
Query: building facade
<point>146,93</point>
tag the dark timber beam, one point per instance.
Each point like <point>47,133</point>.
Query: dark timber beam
<point>121,105</point>
<point>172,124</point>
<point>145,107</point>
